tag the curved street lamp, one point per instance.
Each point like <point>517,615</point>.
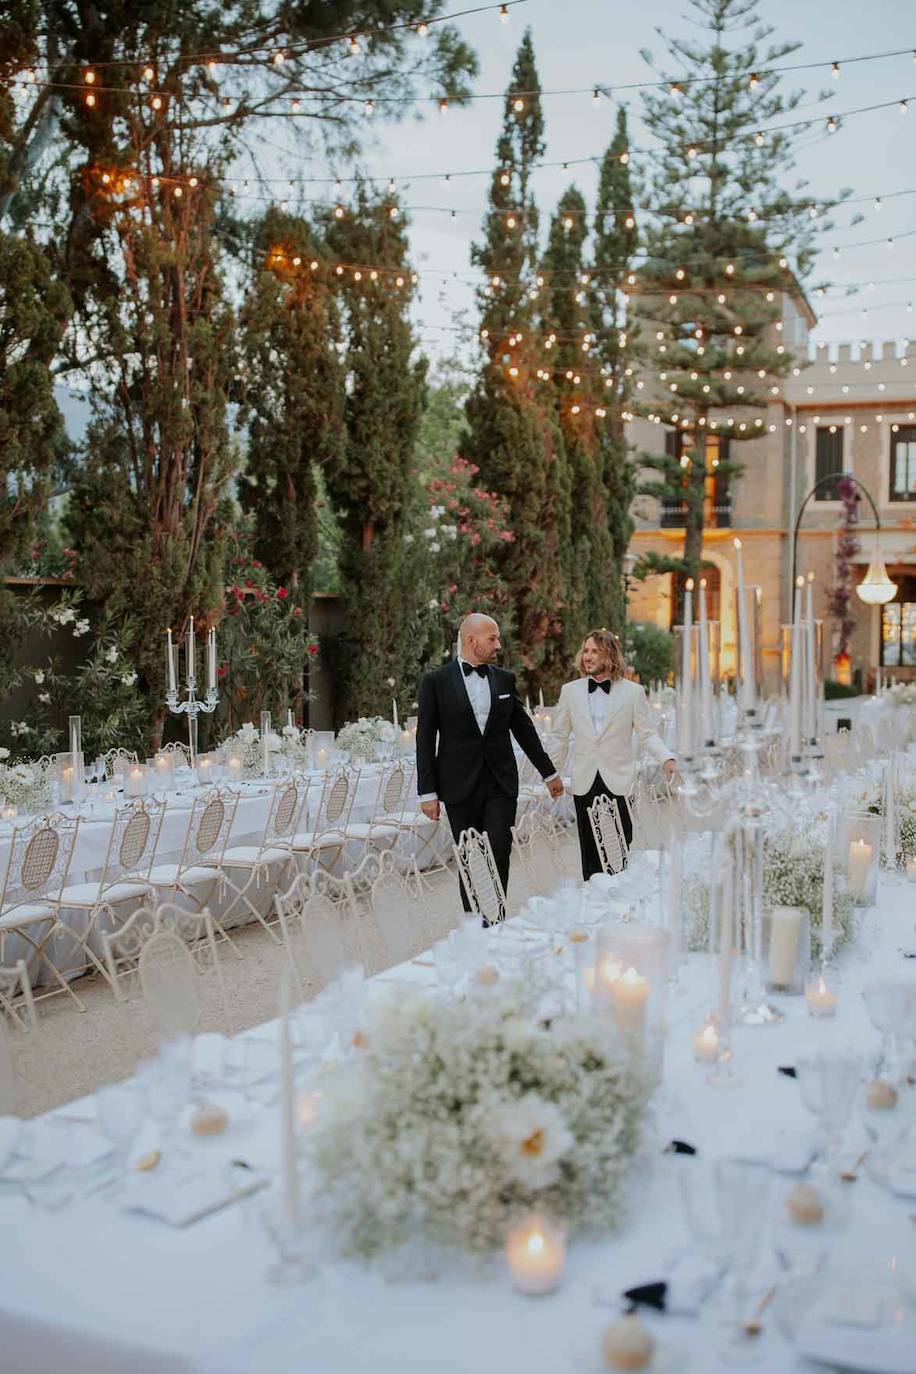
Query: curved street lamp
<point>876,588</point>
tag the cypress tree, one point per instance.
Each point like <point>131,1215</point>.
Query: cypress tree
<point>372,484</point>
<point>717,256</point>
<point>585,547</point>
<point>294,397</point>
<point>512,435</point>
<point>614,352</point>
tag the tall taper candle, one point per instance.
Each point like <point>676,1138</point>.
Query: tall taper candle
<point>170,663</point>
<point>265,743</point>
<point>211,661</point>
<point>394,713</point>
<point>685,723</point>
<point>795,676</point>
<point>827,930</point>
<point>890,812</point>
<point>810,662</point>
<point>705,671</point>
<point>541,697</point>
<point>746,683</point>
<point>726,944</point>
<point>289,1172</point>
<point>191,672</point>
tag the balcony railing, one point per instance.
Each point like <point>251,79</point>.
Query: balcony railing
<point>673,515</point>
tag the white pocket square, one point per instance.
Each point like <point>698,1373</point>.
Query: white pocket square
<point>504,696</point>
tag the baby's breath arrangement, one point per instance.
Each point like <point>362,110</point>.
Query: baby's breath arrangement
<point>457,1114</point>
<point>361,739</point>
<point>27,786</point>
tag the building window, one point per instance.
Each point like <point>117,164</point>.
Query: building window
<point>828,460</point>
<point>903,463</point>
<point>898,626</point>
<point>717,506</point>
<point>710,573</point>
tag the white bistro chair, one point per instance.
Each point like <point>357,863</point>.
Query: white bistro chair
<point>604,818</point>
<point>324,841</point>
<point>477,870</point>
<point>272,859</point>
<point>36,872</point>
<point>124,949</point>
<point>196,876</point>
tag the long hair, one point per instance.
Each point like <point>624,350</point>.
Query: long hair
<point>613,663</point>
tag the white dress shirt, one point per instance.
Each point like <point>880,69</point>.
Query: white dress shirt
<point>599,703</point>
<point>478,690</point>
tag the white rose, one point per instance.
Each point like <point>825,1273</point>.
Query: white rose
<point>39,676</point>
<point>112,654</point>
<point>129,679</point>
<point>435,546</point>
<point>433,605</point>
<point>4,753</point>
<point>408,538</point>
<point>80,628</point>
<point>390,681</point>
<point>45,698</point>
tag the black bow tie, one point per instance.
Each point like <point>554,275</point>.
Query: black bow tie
<point>594,686</point>
<point>470,668</point>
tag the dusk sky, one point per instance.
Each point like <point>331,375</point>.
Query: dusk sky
<point>585,43</point>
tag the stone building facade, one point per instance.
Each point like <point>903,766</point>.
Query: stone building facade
<point>847,408</point>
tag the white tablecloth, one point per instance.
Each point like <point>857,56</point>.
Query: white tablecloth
<point>90,1288</point>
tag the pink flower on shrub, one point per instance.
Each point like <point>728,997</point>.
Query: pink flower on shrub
<point>282,593</point>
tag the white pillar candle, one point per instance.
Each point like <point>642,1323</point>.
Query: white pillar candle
<point>785,935</point>
<point>9,812</point>
<point>322,757</point>
<point>827,930</point>
<point>704,670</point>
<point>204,770</point>
<point>164,765</point>
<point>406,741</point>
<point>191,666</point>
<point>859,868</point>
<point>135,780</point>
<point>234,767</point>
<point>536,1255</point>
<point>289,1171</point>
<point>66,783</point>
<point>706,1044</point>
<point>170,663</point>
<point>630,994</point>
<point>684,724</point>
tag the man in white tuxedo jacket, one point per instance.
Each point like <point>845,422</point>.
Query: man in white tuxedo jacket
<point>603,712</point>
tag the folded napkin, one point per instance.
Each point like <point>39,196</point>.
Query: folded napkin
<point>46,1146</point>
<point>690,1280</point>
<point>183,1200</point>
<point>787,1149</point>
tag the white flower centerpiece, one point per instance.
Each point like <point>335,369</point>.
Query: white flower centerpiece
<point>793,875</point>
<point>27,786</point>
<point>868,799</point>
<point>456,1115</point>
<point>246,745</point>
<point>361,739</point>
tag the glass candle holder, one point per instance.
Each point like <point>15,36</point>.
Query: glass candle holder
<point>858,849</point>
<point>787,941</point>
<point>821,994</point>
<point>631,981</point>
<point>135,780</point>
<point>536,1255</point>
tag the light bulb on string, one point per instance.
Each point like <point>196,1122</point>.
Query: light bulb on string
<point>296,106</point>
<point>835,71</point>
<point>518,105</point>
<point>753,81</point>
<point>90,99</point>
<point>148,74</point>
<point>422,29</point>
<point>596,96</point>
<point>369,107</point>
<point>353,46</point>
<point>504,14</point>
<point>832,124</point>
<point>212,65</point>
<point>904,106</point>
<point>443,106</point>
<point>227,104</point>
<point>877,202</point>
<point>759,139</point>
<point>89,77</point>
<point>157,102</point>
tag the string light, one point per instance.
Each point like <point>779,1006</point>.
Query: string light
<point>148,74</point>
<point>443,106</point>
<point>296,106</point>
<point>832,124</point>
<point>504,14</point>
<point>89,77</point>
<point>90,99</point>
<point>835,71</point>
<point>518,105</point>
<point>422,29</point>
<point>904,106</point>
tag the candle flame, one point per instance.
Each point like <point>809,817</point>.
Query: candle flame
<point>799,581</point>
<point>737,543</point>
<point>689,584</point>
<point>535,1243</point>
<point>702,584</point>
<point>811,577</point>
<point>631,976</point>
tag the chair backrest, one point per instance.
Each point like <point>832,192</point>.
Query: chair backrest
<point>209,826</point>
<point>336,800</point>
<point>397,913</point>
<point>392,791</point>
<point>118,760</point>
<point>133,841</point>
<point>168,979</point>
<point>478,871</point>
<point>182,753</point>
<point>535,842</point>
<point>286,806</point>
<point>604,818</point>
<point>39,860</point>
<point>312,914</point>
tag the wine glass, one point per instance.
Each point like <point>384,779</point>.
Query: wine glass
<point>828,1080</point>
<point>166,1083</point>
<point>289,1238</point>
<point>120,1111</point>
<point>890,1006</point>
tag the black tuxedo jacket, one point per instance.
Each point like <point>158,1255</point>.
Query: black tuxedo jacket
<point>451,751</point>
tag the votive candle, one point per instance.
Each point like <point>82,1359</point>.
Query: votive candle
<point>859,867</point>
<point>536,1255</point>
<point>630,994</point>
<point>820,997</point>
<point>706,1044</point>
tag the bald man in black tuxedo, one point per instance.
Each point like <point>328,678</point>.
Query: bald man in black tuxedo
<point>469,710</point>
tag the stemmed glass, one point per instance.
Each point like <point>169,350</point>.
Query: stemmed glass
<point>828,1080</point>
<point>726,1206</point>
<point>166,1082</point>
<point>120,1110</point>
<point>890,1007</point>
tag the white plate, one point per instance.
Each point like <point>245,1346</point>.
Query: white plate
<point>888,1348</point>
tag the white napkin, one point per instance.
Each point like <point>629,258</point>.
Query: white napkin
<point>46,1146</point>
<point>787,1149</point>
<point>183,1200</point>
<point>690,1281</point>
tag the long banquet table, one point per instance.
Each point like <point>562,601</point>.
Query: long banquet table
<point>92,1288</point>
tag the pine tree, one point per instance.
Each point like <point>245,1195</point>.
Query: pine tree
<point>614,353</point>
<point>717,256</point>
<point>373,485</point>
<point>512,432</point>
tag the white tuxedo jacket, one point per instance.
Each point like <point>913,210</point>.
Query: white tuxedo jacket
<point>611,753</point>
